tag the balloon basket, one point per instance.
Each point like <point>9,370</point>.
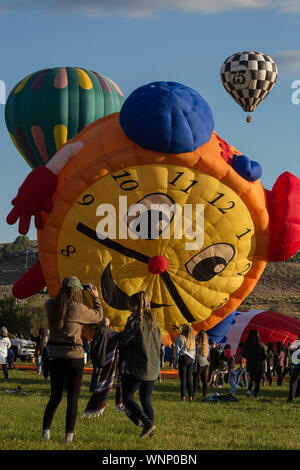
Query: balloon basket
<point>249,118</point>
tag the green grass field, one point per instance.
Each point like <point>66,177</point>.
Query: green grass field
<point>267,422</point>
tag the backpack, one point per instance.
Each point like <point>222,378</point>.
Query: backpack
<point>99,345</point>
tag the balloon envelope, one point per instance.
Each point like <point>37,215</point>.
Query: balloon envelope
<point>49,107</point>
<point>272,327</point>
<point>249,77</point>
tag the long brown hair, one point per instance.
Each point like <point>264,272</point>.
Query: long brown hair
<point>63,300</point>
<point>139,304</point>
<point>188,333</point>
<point>253,339</point>
<point>202,343</point>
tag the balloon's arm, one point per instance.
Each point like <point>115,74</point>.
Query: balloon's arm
<point>30,283</point>
<point>61,158</point>
<point>35,194</point>
<point>284,217</point>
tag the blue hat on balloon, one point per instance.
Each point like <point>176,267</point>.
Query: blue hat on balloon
<point>167,117</point>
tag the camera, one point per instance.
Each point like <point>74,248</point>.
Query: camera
<point>85,286</point>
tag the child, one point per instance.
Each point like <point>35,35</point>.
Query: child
<point>232,373</point>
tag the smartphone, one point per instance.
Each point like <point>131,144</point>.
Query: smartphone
<point>85,286</point>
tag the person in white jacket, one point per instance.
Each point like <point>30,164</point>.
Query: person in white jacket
<point>4,347</point>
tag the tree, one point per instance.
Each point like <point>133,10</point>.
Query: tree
<point>21,318</point>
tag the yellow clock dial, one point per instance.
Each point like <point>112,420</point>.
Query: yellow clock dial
<point>202,272</point>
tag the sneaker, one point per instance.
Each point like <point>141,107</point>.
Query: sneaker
<point>46,434</point>
<point>148,429</point>
<point>69,437</point>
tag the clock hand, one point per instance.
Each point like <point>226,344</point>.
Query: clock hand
<point>87,231</point>
<point>114,296</point>
<point>165,276</point>
<point>112,244</point>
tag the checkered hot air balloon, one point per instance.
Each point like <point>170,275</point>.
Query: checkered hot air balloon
<point>249,77</point>
<point>49,107</point>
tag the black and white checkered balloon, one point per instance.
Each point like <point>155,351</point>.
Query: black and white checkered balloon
<point>249,77</point>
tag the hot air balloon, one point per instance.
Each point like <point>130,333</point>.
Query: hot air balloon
<point>272,327</point>
<point>151,166</point>
<point>249,77</point>
<point>51,106</point>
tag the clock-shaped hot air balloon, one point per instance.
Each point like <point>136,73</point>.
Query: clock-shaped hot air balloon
<point>158,155</point>
<point>249,77</point>
<point>50,106</point>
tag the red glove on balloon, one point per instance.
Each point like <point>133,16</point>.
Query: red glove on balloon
<point>34,196</point>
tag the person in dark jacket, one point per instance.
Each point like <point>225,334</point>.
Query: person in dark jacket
<point>66,317</point>
<point>140,343</point>
<point>279,366</point>
<point>213,359</point>
<point>254,352</point>
<point>98,350</point>
<point>270,362</point>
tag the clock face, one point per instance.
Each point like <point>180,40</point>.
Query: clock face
<point>207,258</point>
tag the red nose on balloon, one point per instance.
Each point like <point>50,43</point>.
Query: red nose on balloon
<point>157,264</point>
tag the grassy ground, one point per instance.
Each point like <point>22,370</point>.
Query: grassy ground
<point>267,422</point>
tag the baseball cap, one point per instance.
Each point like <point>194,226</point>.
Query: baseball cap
<point>72,283</point>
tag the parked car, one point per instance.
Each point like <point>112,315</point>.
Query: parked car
<point>22,348</point>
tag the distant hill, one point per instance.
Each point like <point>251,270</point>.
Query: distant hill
<point>278,289</point>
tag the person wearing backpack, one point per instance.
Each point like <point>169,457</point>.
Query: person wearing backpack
<point>98,350</point>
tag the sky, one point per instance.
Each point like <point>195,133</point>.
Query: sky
<point>135,42</point>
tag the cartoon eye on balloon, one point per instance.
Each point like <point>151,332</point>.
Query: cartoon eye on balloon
<point>210,261</point>
<point>249,77</point>
<point>151,216</point>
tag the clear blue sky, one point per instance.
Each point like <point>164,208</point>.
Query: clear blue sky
<point>135,45</point>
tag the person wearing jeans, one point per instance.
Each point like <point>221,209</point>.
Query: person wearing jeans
<point>201,364</point>
<point>130,385</point>
<point>4,347</point>
<point>185,355</point>
<point>242,373</point>
<point>140,343</point>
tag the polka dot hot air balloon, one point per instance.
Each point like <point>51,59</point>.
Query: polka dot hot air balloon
<point>249,77</point>
<point>49,107</point>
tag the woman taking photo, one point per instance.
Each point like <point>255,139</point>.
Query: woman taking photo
<point>66,316</point>
<point>140,341</point>
<point>254,352</point>
<point>185,354</point>
<point>201,366</point>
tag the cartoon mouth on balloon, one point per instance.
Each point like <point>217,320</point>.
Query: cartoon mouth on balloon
<point>108,283</point>
<point>118,299</point>
<point>114,296</point>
